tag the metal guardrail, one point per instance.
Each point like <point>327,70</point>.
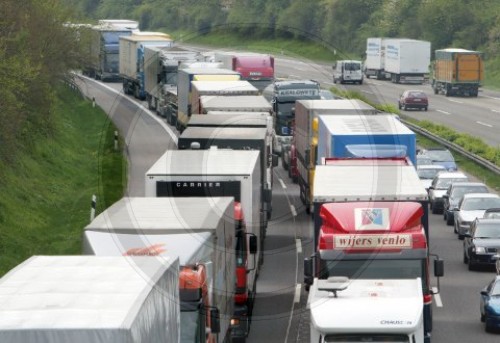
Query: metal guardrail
<point>477,159</point>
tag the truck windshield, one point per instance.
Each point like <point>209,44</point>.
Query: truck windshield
<point>375,269</point>
<point>113,37</point>
<point>284,118</point>
<point>190,323</point>
<point>361,337</point>
<point>111,63</point>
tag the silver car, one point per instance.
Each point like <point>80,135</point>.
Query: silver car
<point>455,193</point>
<point>427,173</point>
<point>439,186</point>
<point>473,206</point>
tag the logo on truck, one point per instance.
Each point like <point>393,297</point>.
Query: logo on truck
<point>385,241</point>
<point>371,219</point>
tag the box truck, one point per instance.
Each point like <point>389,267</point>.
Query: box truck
<point>407,60</point>
<point>457,72</point>
<point>374,64</point>
<point>236,103</point>
<point>62,299</point>
<point>202,233</point>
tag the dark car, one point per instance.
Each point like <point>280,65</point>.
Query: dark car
<point>490,305</point>
<point>441,156</point>
<point>413,99</point>
<point>482,242</point>
<point>454,193</point>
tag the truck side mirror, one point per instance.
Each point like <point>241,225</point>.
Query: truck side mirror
<point>275,160</point>
<point>438,267</point>
<point>252,243</point>
<point>214,320</point>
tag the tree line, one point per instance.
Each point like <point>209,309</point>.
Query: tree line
<point>343,25</point>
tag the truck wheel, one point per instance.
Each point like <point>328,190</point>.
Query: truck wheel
<point>425,108</point>
<point>449,220</point>
<point>283,160</point>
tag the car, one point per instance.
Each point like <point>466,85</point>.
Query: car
<point>422,159</point>
<point>413,99</point>
<point>472,206</point>
<point>441,156</point>
<point>454,193</point>
<point>427,172</point>
<point>492,213</point>
<point>490,305</point>
<point>439,186</point>
<point>482,243</point>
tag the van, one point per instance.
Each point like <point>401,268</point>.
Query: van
<point>348,71</point>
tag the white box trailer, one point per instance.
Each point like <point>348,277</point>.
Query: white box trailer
<point>212,173</point>
<point>372,310</point>
<point>83,299</point>
<point>407,60</point>
<point>225,88</point>
<point>196,230</point>
<point>375,57</point>
<point>237,103</point>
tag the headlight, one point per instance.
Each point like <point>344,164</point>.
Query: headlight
<point>479,250</point>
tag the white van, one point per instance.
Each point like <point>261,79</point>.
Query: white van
<point>348,71</point>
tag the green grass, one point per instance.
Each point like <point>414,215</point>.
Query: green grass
<point>46,193</point>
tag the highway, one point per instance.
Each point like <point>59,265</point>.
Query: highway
<point>279,313</point>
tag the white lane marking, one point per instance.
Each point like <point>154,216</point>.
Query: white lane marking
<point>296,298</point>
<point>375,83</point>
<point>437,298</point>
<point>282,183</point>
<point>365,91</point>
<point>484,124</point>
<point>294,212</point>
<point>291,76</point>
<point>298,244</point>
<point>444,112</point>
<point>458,102</point>
<point>497,111</point>
<point>490,97</point>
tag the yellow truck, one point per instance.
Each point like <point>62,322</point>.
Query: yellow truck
<point>457,72</point>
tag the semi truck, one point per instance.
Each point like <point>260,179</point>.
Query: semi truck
<point>202,233</point>
<point>374,64</point>
<point>62,299</point>
<point>238,138</point>
<point>256,68</point>
<point>457,72</point>
<point>104,51</point>
<point>180,100</point>
<point>161,66</point>
<point>304,146</point>
<point>282,95</point>
<point>132,60</point>
<point>216,88</point>
<point>407,60</point>
<point>371,310</point>
<point>236,103</point>
<point>233,119</point>
<point>362,237</point>
<point>361,136</point>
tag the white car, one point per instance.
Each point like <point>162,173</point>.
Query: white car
<point>427,172</point>
<point>439,186</point>
<point>472,206</point>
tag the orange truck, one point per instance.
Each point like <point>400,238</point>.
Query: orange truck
<point>457,72</point>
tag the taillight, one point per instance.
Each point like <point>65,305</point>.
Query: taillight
<point>427,299</point>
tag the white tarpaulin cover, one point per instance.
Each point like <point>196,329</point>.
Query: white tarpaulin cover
<point>90,299</point>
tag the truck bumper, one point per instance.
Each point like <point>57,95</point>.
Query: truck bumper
<point>240,322</point>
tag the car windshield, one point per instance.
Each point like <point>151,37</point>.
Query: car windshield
<point>443,183</point>
<point>440,155</point>
<point>459,192</point>
<point>477,204</point>
<point>488,230</point>
<point>427,174</point>
<point>423,160</point>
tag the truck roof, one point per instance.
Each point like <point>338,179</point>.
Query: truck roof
<point>338,104</point>
<point>367,180</point>
<point>451,50</point>
<point>368,306</point>
<point>84,298</point>
<point>231,103</point>
<point>219,133</point>
<point>147,38</point>
<point>205,162</point>
<point>230,119</point>
<point>224,87</point>
<point>210,70</point>
<point>363,124</point>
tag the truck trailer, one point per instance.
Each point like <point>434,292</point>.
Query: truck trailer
<point>238,138</point>
<point>457,72</point>
<point>60,299</point>
<point>372,239</point>
<point>407,60</point>
<point>372,310</point>
<point>304,147</point>
<point>374,64</point>
<point>202,233</point>
<point>161,65</point>
<point>132,60</point>
<point>256,68</point>
<point>236,103</point>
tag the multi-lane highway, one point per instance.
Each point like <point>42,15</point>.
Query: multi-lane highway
<point>279,313</point>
